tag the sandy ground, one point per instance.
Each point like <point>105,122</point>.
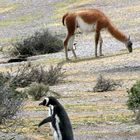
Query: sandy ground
<point>99,116</point>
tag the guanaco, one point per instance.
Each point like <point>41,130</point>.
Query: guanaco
<point>91,20</point>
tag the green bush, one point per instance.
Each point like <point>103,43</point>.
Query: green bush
<point>133,101</point>
<point>39,43</point>
<point>38,91</point>
<point>103,84</point>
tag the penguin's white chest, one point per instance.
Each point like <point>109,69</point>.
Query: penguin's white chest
<point>85,27</point>
<point>57,134</point>
<point>56,131</point>
<point>50,112</point>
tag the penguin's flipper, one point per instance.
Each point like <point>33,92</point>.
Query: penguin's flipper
<point>49,119</point>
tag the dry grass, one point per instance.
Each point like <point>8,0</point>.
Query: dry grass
<point>7,8</point>
<point>83,106</point>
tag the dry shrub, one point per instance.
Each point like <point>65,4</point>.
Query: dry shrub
<point>103,84</point>
<point>27,74</point>
<point>11,99</point>
<point>10,102</point>
<point>54,75</point>
<point>40,43</point>
<point>22,77</point>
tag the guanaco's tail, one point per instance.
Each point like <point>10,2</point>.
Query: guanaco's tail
<point>116,33</point>
<point>63,19</point>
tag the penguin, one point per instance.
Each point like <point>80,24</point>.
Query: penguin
<point>58,118</point>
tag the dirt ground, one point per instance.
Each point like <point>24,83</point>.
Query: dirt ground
<point>94,116</point>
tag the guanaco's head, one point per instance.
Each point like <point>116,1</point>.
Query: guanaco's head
<point>129,45</point>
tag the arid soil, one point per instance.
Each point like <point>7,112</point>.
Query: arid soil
<point>94,116</point>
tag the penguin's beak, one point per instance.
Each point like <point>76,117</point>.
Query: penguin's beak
<point>41,103</point>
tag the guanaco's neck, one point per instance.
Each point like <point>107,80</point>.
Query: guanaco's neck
<point>116,33</point>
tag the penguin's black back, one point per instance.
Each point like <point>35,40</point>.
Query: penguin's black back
<point>64,124</point>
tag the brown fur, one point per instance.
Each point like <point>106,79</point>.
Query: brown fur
<point>116,33</point>
<point>63,19</point>
<point>91,16</point>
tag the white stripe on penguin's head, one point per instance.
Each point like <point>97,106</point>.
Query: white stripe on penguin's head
<point>47,101</point>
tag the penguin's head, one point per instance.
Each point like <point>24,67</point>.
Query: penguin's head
<point>49,101</point>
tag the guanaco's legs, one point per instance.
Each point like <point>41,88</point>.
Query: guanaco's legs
<point>68,43</point>
<point>100,49</point>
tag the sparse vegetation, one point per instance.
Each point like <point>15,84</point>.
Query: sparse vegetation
<point>54,75</point>
<point>103,84</point>
<point>133,102</point>
<point>27,74</point>
<point>103,116</point>
<point>37,91</point>
<point>22,77</point>
<point>39,43</point>
<point>10,102</point>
